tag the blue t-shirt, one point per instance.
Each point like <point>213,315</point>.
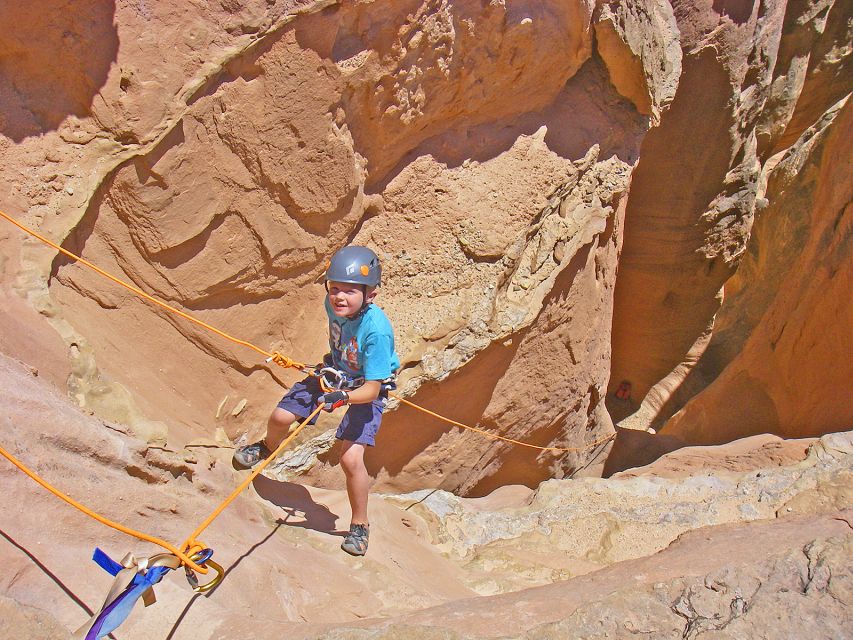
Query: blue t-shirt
<point>363,346</point>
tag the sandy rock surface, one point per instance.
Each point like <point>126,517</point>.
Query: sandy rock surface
<point>509,162</point>
<point>711,264</point>
<point>616,231</point>
<point>772,335</point>
<point>279,540</point>
<point>283,538</point>
<point>796,585</point>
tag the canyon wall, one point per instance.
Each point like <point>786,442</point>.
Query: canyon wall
<point>563,195</point>
<point>752,535</point>
<point>691,289</point>
<point>598,220</point>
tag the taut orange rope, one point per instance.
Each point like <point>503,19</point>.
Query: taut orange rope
<point>190,542</point>
<point>274,356</point>
<point>505,439</point>
<point>191,545</point>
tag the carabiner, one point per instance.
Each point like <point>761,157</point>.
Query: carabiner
<point>207,587</point>
<point>203,558</point>
<point>337,381</point>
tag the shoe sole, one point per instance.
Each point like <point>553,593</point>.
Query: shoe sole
<point>243,465</point>
<point>355,553</point>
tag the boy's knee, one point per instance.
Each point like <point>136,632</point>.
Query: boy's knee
<point>280,419</point>
<point>352,459</point>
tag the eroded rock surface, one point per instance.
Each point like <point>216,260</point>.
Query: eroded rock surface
<point>496,155</point>
<point>749,75</point>
<point>797,585</point>
<point>787,309</point>
<point>600,522</point>
<point>579,542</point>
<point>326,123</point>
<point>588,212</point>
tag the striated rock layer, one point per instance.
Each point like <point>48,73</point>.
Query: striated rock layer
<point>750,74</point>
<point>496,156</point>
<point>482,150</point>
<point>767,532</point>
<point>774,357</point>
<point>595,218</point>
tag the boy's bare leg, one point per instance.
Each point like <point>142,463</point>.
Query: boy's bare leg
<point>277,427</point>
<point>358,480</point>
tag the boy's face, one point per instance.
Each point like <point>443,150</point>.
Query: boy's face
<point>347,299</point>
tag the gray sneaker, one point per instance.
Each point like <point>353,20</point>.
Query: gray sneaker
<point>250,455</point>
<point>355,543</point>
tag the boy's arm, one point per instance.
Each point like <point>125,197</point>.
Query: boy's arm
<point>366,393</point>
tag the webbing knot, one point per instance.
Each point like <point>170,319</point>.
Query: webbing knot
<point>134,579</point>
<point>192,547</point>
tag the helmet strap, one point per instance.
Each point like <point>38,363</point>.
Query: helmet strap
<point>364,303</point>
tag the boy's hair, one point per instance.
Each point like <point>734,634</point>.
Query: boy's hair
<point>355,265</point>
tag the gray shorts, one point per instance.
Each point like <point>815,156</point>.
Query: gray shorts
<point>361,421</point>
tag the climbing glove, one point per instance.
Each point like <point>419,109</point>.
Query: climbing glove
<point>333,400</point>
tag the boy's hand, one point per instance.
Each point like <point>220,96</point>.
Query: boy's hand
<point>333,400</point>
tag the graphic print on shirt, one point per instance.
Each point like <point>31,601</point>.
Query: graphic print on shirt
<point>335,335</point>
<point>350,354</point>
<point>348,351</point>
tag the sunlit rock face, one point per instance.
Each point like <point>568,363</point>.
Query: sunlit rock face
<point>693,532</point>
<point>594,218</point>
<point>560,192</point>
<point>482,150</point>
<point>710,253</point>
<point>774,357</point>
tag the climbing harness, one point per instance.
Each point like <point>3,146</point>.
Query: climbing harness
<point>332,379</point>
<point>135,579</point>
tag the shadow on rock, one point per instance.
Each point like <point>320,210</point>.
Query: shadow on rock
<point>297,503</point>
<point>633,448</point>
<point>52,62</point>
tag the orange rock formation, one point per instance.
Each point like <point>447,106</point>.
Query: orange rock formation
<point>570,198</point>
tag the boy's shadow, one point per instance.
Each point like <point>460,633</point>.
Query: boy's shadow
<point>300,507</point>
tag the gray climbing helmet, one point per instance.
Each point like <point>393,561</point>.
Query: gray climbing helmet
<point>355,265</point>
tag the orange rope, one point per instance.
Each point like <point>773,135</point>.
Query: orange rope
<point>191,545</point>
<point>274,356</point>
<point>499,437</point>
<point>255,472</point>
<point>142,536</point>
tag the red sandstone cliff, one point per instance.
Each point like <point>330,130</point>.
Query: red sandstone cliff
<point>507,161</point>
<point>566,196</point>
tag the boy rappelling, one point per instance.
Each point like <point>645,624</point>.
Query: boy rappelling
<point>358,371</point>
<point>360,366</point>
